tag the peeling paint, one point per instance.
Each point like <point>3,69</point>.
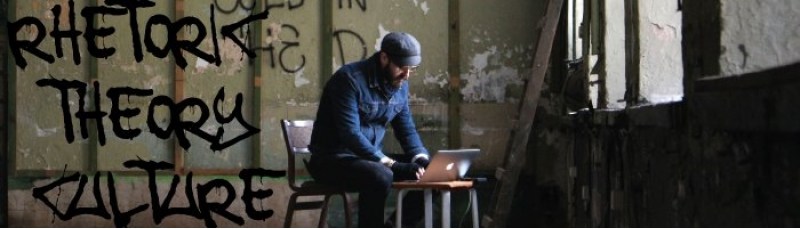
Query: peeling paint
<point>440,79</point>
<point>275,29</point>
<point>201,64</point>
<point>664,32</point>
<point>477,131</point>
<point>487,82</point>
<point>211,128</point>
<point>48,14</point>
<point>26,152</point>
<point>231,55</point>
<point>480,61</point>
<point>299,81</point>
<point>45,132</point>
<point>381,33</point>
<point>129,68</point>
<point>425,8</point>
<point>336,65</point>
<point>413,98</point>
<point>156,81</point>
<point>294,103</point>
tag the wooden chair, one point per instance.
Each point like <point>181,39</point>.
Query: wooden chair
<point>297,135</point>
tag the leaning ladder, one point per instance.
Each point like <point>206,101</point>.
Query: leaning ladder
<point>508,175</point>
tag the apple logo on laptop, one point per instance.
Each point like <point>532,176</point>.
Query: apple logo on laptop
<point>450,166</point>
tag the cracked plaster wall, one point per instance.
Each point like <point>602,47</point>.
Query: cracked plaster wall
<point>758,34</point>
<point>661,62</point>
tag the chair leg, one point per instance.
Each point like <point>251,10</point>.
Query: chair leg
<point>323,222</point>
<point>290,211</point>
<point>347,217</point>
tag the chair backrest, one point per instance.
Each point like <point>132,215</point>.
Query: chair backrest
<point>297,135</point>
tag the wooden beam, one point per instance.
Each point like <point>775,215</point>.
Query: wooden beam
<point>325,42</point>
<point>7,7</point>
<point>257,76</point>
<point>701,31</point>
<point>454,69</point>
<point>632,56</point>
<point>11,124</point>
<point>179,81</point>
<point>767,78</point>
<point>600,66</point>
<point>91,156</point>
<point>507,176</point>
<point>763,101</point>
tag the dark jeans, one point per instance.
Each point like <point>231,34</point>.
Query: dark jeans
<point>372,181</point>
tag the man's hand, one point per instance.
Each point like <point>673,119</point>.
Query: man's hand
<point>422,162</point>
<point>407,171</point>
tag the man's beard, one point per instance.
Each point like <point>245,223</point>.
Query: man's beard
<point>388,78</point>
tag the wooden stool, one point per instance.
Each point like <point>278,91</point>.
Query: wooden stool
<point>428,187</point>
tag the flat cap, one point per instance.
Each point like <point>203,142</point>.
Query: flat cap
<point>402,48</point>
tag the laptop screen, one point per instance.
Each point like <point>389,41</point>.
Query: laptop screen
<point>449,165</point>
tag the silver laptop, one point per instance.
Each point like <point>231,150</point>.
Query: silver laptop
<point>449,165</point>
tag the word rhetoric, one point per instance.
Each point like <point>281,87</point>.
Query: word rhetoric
<point>200,209</point>
<point>92,31</point>
<point>176,123</point>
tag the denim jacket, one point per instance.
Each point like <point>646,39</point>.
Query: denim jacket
<point>355,110</point>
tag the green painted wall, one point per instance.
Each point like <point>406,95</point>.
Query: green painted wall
<point>298,47</point>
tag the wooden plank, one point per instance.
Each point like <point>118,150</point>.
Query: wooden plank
<point>91,160</point>
<point>602,90</point>
<point>770,96</point>
<point>632,57</point>
<point>179,81</point>
<point>701,31</point>
<point>326,44</point>
<point>11,98</point>
<point>8,78</point>
<point>454,69</point>
<point>257,71</point>
<point>507,182</point>
<point>764,79</point>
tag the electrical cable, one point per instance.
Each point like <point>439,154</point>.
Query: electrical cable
<point>466,210</point>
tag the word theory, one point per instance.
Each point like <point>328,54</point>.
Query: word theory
<point>176,125</point>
